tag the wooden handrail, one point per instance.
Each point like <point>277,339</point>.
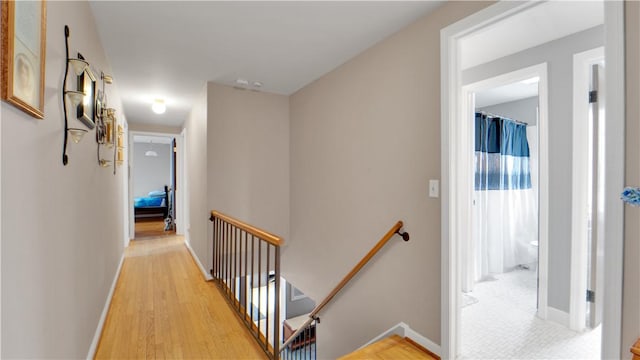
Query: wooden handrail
<point>313,315</point>
<point>266,236</point>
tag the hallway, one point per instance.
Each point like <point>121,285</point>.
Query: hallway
<point>163,308</point>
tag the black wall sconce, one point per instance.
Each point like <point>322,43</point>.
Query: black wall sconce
<point>75,97</point>
<point>89,104</point>
<point>82,100</point>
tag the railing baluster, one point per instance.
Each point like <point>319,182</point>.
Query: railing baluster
<point>246,294</point>
<point>223,262</point>
<point>228,257</point>
<point>243,292</point>
<point>215,253</point>
<point>223,270</point>
<point>234,270</point>
<point>306,341</point>
<point>238,267</point>
<point>234,237</point>
<point>253,241</point>
<point>259,282</point>
<point>268,286</point>
<point>220,252</point>
<point>276,312</point>
<point>216,235</point>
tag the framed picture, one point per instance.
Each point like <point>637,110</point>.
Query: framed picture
<point>87,108</point>
<point>23,55</point>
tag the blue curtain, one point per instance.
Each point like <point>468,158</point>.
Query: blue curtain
<point>502,154</point>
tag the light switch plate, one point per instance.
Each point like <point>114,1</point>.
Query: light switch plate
<point>434,188</point>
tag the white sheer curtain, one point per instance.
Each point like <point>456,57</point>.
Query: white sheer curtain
<point>505,226</point>
<point>505,219</point>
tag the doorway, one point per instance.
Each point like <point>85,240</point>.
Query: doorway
<point>153,185</point>
<point>504,262</point>
<point>508,205</point>
<point>456,172</point>
<point>587,196</point>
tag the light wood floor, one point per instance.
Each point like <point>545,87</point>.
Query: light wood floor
<point>150,228</point>
<point>163,308</point>
<point>393,347</point>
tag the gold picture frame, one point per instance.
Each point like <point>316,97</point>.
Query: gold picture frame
<point>23,55</point>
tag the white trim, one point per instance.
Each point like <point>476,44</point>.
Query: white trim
<point>558,316</point>
<point>450,83</point>
<point>539,70</point>
<point>579,211</point>
<point>404,330</point>
<point>105,311</point>
<point>614,180</point>
<point>398,329</point>
<point>130,165</point>
<point>543,194</point>
<point>205,273</point>
<point>181,181</point>
<point>425,342</point>
<point>614,149</point>
<point>126,187</point>
<point>180,195</point>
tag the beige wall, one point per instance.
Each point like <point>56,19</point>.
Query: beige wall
<point>631,285</point>
<point>237,162</point>
<point>196,177</point>
<point>365,140</point>
<point>248,163</point>
<point>62,225</point>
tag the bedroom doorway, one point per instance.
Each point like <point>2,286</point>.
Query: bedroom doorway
<point>153,184</point>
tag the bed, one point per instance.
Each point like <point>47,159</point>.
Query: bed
<point>152,206</point>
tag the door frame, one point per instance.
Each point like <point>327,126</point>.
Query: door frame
<point>455,215</point>
<point>579,235</point>
<point>179,194</point>
<point>539,70</point>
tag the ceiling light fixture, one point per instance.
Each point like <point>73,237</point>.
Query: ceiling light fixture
<point>150,152</point>
<point>158,106</point>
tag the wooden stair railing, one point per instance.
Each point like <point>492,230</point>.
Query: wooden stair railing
<point>246,259</point>
<point>313,315</point>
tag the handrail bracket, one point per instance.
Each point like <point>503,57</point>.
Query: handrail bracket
<point>403,234</point>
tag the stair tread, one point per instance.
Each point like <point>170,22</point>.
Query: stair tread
<point>392,347</point>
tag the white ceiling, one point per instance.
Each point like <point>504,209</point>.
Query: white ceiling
<point>542,23</point>
<point>506,93</point>
<point>169,49</point>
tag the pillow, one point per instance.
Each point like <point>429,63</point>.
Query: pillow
<point>155,201</point>
<point>140,202</point>
<point>157,193</point>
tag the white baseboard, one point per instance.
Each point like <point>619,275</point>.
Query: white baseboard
<point>206,274</point>
<point>422,340</point>
<point>404,330</point>
<point>558,316</point>
<point>396,329</point>
<point>105,311</point>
